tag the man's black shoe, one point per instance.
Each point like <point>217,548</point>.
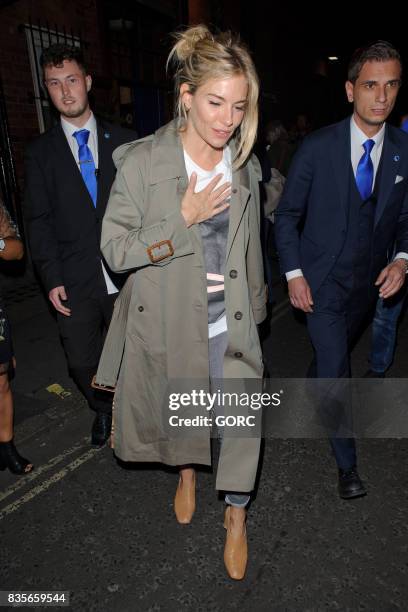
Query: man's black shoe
<point>350,484</point>
<point>372,374</point>
<point>101,428</point>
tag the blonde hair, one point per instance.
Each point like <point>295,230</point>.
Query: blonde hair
<point>199,56</point>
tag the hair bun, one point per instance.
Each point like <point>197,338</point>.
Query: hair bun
<point>187,41</point>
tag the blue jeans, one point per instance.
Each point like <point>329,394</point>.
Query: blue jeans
<point>384,332</point>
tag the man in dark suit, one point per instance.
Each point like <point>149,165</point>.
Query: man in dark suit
<point>344,204</point>
<point>69,173</point>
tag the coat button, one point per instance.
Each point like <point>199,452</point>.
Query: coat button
<point>234,190</point>
<point>140,309</point>
<point>238,355</point>
<point>238,315</point>
<point>233,274</point>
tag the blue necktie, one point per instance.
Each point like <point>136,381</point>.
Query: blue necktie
<point>86,163</point>
<point>365,171</point>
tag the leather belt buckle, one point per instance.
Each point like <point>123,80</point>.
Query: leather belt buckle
<point>158,246</point>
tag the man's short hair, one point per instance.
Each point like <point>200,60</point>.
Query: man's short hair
<point>378,51</point>
<point>54,55</point>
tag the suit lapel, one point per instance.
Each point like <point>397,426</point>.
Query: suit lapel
<point>340,151</point>
<point>67,161</point>
<point>64,153</point>
<point>391,160</point>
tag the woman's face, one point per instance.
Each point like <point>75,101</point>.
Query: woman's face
<point>216,109</point>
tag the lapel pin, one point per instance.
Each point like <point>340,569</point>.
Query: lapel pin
<point>396,157</point>
<point>107,135</point>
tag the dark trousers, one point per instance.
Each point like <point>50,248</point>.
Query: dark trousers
<point>339,313</point>
<point>82,336</point>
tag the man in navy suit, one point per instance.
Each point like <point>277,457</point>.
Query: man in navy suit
<point>69,173</point>
<point>344,204</point>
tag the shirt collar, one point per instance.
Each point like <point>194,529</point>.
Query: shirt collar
<point>69,128</point>
<point>358,137</point>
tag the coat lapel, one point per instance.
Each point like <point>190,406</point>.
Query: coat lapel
<point>391,160</point>
<point>167,161</point>
<point>339,152</point>
<point>239,199</point>
<point>167,164</point>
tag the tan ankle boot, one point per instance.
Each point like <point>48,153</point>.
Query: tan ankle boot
<point>236,550</point>
<point>184,501</point>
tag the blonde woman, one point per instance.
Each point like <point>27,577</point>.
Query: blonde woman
<point>184,214</point>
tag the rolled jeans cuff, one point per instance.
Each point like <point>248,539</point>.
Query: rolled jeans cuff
<point>237,500</point>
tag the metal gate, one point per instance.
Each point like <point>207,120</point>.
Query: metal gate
<point>9,191</point>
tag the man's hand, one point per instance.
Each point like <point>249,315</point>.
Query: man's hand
<point>56,295</point>
<point>300,294</point>
<point>392,278</point>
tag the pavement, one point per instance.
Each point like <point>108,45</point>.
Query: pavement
<point>105,531</point>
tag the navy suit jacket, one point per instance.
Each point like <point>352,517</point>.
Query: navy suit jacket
<point>64,227</point>
<point>312,217</point>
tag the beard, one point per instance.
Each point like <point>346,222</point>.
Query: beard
<point>74,111</point>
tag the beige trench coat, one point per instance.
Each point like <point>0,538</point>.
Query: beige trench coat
<point>159,329</point>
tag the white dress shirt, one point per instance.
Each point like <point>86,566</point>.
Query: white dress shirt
<point>69,130</point>
<point>357,139</point>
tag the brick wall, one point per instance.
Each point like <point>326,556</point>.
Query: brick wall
<point>80,15</point>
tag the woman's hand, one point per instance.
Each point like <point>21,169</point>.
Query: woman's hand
<point>197,207</point>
